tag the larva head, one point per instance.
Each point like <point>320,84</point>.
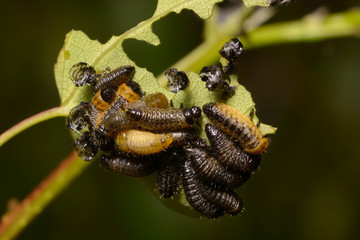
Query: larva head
<point>232,50</point>
<point>81,73</point>
<point>211,131</point>
<point>210,111</point>
<point>192,114</point>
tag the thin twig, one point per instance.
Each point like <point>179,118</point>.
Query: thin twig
<point>16,219</point>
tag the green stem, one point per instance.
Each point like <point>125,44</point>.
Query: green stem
<point>14,221</point>
<point>309,29</point>
<point>37,118</point>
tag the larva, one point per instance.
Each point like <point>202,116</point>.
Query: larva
<point>228,153</point>
<point>114,78</point>
<point>168,175</point>
<point>210,170</point>
<point>141,142</point>
<point>130,166</point>
<point>237,125</point>
<point>193,192</point>
<point>226,199</point>
<point>162,119</point>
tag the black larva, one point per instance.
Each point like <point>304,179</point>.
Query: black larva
<point>163,119</point>
<point>194,193</point>
<point>210,170</point>
<point>130,165</point>
<point>168,175</point>
<point>229,152</point>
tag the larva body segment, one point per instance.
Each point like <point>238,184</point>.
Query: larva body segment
<point>226,199</point>
<point>162,119</point>
<point>141,142</point>
<point>128,93</point>
<point>228,153</point>
<point>103,98</point>
<point>168,175</point>
<point>237,125</point>
<point>130,166</point>
<point>210,170</point>
<point>193,192</point>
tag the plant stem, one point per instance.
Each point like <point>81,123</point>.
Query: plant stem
<point>315,27</point>
<point>37,118</point>
<point>14,221</point>
<point>309,29</point>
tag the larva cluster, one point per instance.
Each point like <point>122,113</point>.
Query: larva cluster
<point>139,134</point>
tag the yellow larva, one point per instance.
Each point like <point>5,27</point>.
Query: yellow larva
<point>141,142</point>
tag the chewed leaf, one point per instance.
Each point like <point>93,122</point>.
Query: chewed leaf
<point>79,48</point>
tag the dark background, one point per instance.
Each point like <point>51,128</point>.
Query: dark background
<point>308,183</point>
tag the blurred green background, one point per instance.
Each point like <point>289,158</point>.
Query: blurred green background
<point>306,188</point>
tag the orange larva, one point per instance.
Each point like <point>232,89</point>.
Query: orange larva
<point>141,142</point>
<point>237,125</point>
<point>107,115</point>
